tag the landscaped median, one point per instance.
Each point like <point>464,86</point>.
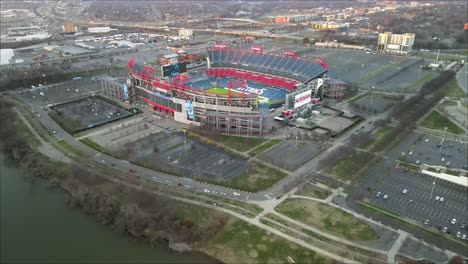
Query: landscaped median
<point>327,218</point>
<point>346,168</point>
<point>383,212</point>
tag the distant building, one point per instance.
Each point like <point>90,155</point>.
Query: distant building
<point>281,20</point>
<point>185,32</point>
<point>6,56</point>
<point>399,44</point>
<point>100,29</point>
<point>69,28</point>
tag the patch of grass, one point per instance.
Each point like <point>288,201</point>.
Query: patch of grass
<point>313,191</point>
<point>356,98</point>
<point>264,146</point>
<point>25,134</point>
<point>376,72</point>
<point>377,137</point>
<point>345,168</point>
<point>95,146</point>
<point>463,52</point>
<point>69,125</point>
<point>238,143</point>
<point>420,81</point>
<point>68,148</point>
<point>438,122</point>
<point>241,144</point>
<point>245,243</point>
<point>451,89</point>
<point>326,217</point>
<point>449,103</point>
<point>452,172</point>
<point>257,178</point>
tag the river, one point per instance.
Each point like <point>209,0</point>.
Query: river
<point>38,226</point>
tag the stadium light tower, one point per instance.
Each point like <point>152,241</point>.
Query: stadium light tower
<point>185,142</point>
<point>95,106</point>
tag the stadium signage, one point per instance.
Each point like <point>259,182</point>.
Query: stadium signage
<point>257,49</point>
<point>220,46</point>
<point>253,90</point>
<point>302,98</point>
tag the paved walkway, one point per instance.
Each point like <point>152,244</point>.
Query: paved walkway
<point>396,246</point>
<point>44,147</point>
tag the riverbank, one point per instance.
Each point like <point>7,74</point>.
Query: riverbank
<point>37,226</point>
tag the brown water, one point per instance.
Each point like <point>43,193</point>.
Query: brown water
<point>38,226</point>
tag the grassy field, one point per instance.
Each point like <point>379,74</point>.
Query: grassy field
<point>420,81</point>
<point>219,91</point>
<point>240,242</point>
<point>264,146</point>
<point>449,103</point>
<point>437,121</point>
<point>238,143</point>
<point>327,218</point>
<point>345,168</point>
<point>69,149</point>
<point>356,98</point>
<point>25,133</point>
<point>463,52</point>
<point>95,146</point>
<point>313,191</point>
<point>377,137</point>
<point>451,89</point>
<point>258,177</point>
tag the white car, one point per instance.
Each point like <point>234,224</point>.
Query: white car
<point>236,193</point>
<point>464,236</point>
<point>405,191</point>
<point>459,234</point>
<point>454,221</point>
<point>206,190</point>
<point>417,162</point>
<point>385,197</point>
<point>410,153</point>
<point>427,140</point>
<point>437,198</point>
<point>441,199</point>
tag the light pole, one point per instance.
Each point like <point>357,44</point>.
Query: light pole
<point>433,185</point>
<point>185,143</point>
<point>43,76</point>
<point>95,106</point>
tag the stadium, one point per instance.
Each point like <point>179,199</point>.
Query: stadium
<point>233,94</point>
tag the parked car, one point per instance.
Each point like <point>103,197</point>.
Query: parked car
<point>426,222</point>
<point>405,191</point>
<point>206,190</point>
<point>454,221</point>
<point>444,229</point>
<point>236,193</point>
<point>385,197</point>
<point>378,194</point>
<point>132,170</point>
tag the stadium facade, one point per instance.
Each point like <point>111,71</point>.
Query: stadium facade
<point>232,96</point>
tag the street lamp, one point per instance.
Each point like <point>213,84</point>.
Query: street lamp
<point>433,184</point>
<point>95,106</point>
<point>43,76</point>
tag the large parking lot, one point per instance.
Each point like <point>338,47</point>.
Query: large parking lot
<point>421,149</point>
<point>425,199</point>
<point>193,159</point>
<point>86,113</point>
<point>291,154</point>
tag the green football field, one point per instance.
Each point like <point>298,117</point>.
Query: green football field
<point>225,91</point>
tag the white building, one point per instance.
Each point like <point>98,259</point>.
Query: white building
<point>6,55</point>
<point>399,44</point>
<point>100,29</point>
<point>185,32</point>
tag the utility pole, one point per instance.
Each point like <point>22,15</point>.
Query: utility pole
<point>438,52</point>
<point>185,142</point>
